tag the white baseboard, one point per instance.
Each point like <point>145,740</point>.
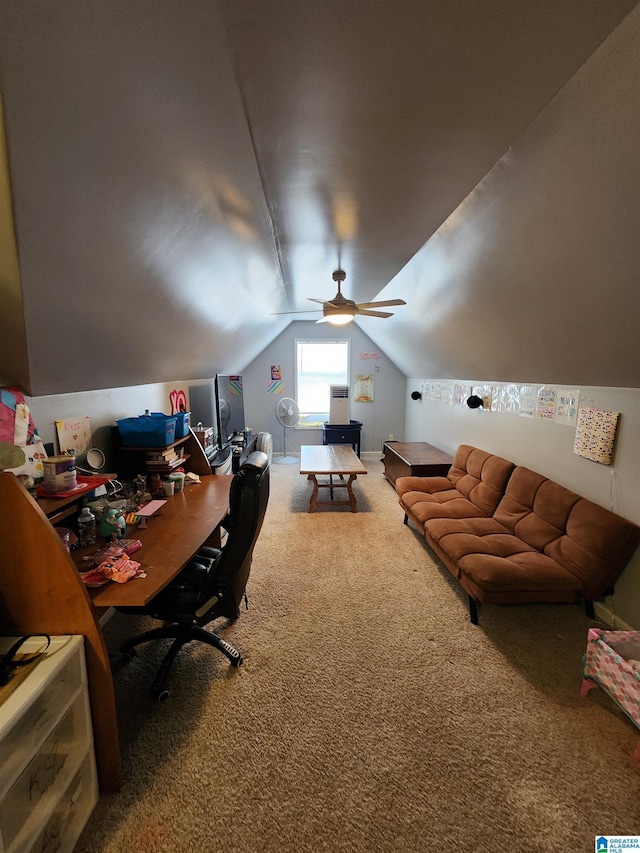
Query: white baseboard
<point>604,613</point>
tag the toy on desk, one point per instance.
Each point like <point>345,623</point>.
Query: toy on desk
<point>112,525</point>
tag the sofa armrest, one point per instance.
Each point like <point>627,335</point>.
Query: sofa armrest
<point>428,485</point>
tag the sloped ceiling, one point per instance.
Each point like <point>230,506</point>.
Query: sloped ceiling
<point>180,170</point>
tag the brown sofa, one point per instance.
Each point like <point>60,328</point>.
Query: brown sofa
<point>511,536</point>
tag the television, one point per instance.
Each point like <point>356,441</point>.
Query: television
<point>229,408</point>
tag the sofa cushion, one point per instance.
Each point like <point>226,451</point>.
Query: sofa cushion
<point>473,487</point>
<point>586,539</point>
<point>499,563</point>
<point>447,504</point>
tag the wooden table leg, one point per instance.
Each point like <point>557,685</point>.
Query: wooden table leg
<point>314,493</point>
<point>352,497</point>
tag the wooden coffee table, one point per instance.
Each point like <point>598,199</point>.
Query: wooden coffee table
<point>332,460</point>
<point>414,459</point>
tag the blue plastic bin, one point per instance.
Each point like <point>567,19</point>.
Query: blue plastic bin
<point>183,419</point>
<point>155,430</point>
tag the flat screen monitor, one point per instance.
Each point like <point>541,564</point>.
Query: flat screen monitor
<point>230,407</point>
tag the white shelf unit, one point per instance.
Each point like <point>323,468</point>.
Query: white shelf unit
<point>48,780</point>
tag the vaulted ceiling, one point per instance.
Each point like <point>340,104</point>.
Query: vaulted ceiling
<point>181,169</point>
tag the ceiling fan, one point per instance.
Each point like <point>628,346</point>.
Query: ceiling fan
<point>339,311</point>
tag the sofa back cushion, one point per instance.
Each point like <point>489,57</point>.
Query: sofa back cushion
<point>479,476</point>
<point>589,541</point>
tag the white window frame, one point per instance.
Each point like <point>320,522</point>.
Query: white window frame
<point>315,420</point>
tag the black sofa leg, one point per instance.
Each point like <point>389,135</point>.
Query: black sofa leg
<point>406,519</point>
<point>473,610</point>
<point>588,608</point>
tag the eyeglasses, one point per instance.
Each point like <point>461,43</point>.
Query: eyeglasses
<point>14,658</point>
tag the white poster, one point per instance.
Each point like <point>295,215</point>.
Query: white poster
<point>528,401</point>
<point>567,406</point>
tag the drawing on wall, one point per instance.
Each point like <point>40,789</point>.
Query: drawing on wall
<point>595,434</point>
<point>276,373</point>
<point>528,401</point>
<point>485,392</point>
<point>446,393</point>
<point>275,386</point>
<point>74,434</point>
<point>364,388</point>
<point>461,394</point>
<point>178,401</point>
<point>511,398</point>
<point>546,407</point>
<point>567,406</point>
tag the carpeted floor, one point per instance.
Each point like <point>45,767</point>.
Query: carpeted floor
<point>369,714</point>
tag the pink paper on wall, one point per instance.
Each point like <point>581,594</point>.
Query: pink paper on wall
<point>595,434</point>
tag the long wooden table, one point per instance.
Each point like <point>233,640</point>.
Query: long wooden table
<point>331,460</point>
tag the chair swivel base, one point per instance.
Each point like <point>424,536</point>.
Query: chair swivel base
<point>181,634</point>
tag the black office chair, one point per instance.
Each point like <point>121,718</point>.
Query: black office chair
<point>213,584</point>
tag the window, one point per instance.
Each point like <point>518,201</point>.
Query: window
<point>319,364</point>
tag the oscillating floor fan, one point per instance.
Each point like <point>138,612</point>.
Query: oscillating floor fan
<point>287,415</point>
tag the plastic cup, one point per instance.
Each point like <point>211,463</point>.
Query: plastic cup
<point>178,478</point>
<point>169,487</point>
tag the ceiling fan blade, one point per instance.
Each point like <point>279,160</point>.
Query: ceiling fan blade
<point>311,299</point>
<point>383,304</point>
<point>361,313</point>
<point>280,313</point>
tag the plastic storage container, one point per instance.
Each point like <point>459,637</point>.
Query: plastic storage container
<point>183,420</point>
<point>154,430</point>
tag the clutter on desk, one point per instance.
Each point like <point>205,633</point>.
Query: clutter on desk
<point>87,532</point>
<point>112,524</point>
<point>84,484</point>
<point>119,569</point>
<point>67,537</point>
<point>121,548</point>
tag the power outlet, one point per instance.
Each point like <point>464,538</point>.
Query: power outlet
<point>390,436</point>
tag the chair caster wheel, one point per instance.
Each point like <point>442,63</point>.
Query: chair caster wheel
<point>237,661</point>
<point>129,655</point>
<point>163,695</point>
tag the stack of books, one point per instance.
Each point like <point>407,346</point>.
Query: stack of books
<point>162,460</point>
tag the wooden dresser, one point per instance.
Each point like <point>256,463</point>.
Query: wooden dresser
<point>414,459</point>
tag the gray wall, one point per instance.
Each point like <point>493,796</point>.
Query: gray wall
<point>380,418</point>
<point>548,448</point>
<point>535,275</point>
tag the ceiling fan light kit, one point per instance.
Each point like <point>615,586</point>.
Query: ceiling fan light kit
<point>339,311</point>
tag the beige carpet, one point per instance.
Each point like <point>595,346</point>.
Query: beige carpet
<point>369,714</point>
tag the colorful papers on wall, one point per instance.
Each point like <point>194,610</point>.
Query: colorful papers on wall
<point>567,406</point>
<point>546,404</point>
<point>21,450</point>
<point>595,434</point>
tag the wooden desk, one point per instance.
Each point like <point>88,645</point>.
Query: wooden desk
<point>189,520</point>
<point>414,459</point>
<point>40,589</point>
<point>331,459</point>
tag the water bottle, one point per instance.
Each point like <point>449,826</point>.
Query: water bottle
<point>87,527</point>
